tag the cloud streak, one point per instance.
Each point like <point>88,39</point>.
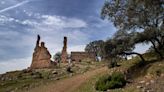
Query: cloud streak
<point>14,6</point>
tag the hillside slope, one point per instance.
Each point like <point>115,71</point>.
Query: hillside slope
<point>148,77</point>
<point>69,84</point>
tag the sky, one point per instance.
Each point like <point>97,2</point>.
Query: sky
<point>22,20</point>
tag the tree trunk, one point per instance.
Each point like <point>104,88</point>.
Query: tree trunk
<point>156,50</point>
<point>130,53</point>
<point>162,42</point>
<point>160,45</point>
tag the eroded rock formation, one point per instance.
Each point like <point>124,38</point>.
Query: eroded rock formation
<point>64,51</point>
<point>41,56</point>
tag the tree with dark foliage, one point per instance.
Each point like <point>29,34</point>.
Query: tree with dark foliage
<point>95,47</point>
<point>133,15</point>
<point>121,44</point>
<point>57,57</point>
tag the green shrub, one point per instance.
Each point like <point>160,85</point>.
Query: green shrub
<point>116,80</point>
<point>101,83</point>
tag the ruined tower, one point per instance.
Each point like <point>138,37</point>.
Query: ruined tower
<point>64,51</point>
<point>41,56</point>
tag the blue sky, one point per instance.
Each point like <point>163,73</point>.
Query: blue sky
<point>22,20</point>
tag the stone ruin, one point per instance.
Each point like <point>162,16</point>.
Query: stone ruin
<point>41,56</point>
<point>64,54</point>
<point>80,56</point>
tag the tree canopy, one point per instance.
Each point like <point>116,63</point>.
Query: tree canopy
<point>57,57</point>
<point>120,45</point>
<point>134,14</point>
<point>130,16</point>
<point>95,47</point>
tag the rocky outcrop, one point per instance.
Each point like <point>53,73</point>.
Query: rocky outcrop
<point>41,56</point>
<point>64,51</point>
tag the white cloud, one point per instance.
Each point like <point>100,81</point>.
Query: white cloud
<point>142,48</point>
<point>76,48</point>
<point>62,22</point>
<point>14,64</point>
<point>29,22</point>
<point>2,2</point>
<point>4,19</point>
<point>5,34</point>
<point>10,37</point>
<point>53,22</point>
<point>51,28</point>
<point>57,21</point>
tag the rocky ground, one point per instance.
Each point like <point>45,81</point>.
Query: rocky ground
<point>149,78</point>
<point>18,81</point>
<point>82,77</point>
<point>151,84</point>
<point>70,84</point>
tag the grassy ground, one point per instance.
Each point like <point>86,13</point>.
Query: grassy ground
<point>69,84</point>
<point>18,80</point>
<point>152,69</point>
<point>89,85</point>
<point>21,80</point>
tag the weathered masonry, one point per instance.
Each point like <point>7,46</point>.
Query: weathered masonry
<point>79,56</point>
<point>41,56</point>
<point>64,55</point>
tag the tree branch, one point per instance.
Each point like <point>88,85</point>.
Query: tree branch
<point>130,53</point>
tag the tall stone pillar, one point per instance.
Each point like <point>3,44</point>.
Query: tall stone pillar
<point>64,51</point>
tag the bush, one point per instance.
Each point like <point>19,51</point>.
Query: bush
<point>116,80</point>
<point>101,83</point>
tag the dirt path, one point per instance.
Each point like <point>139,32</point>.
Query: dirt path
<point>69,84</point>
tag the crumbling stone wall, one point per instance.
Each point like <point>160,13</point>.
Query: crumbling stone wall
<point>41,56</point>
<point>79,56</point>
